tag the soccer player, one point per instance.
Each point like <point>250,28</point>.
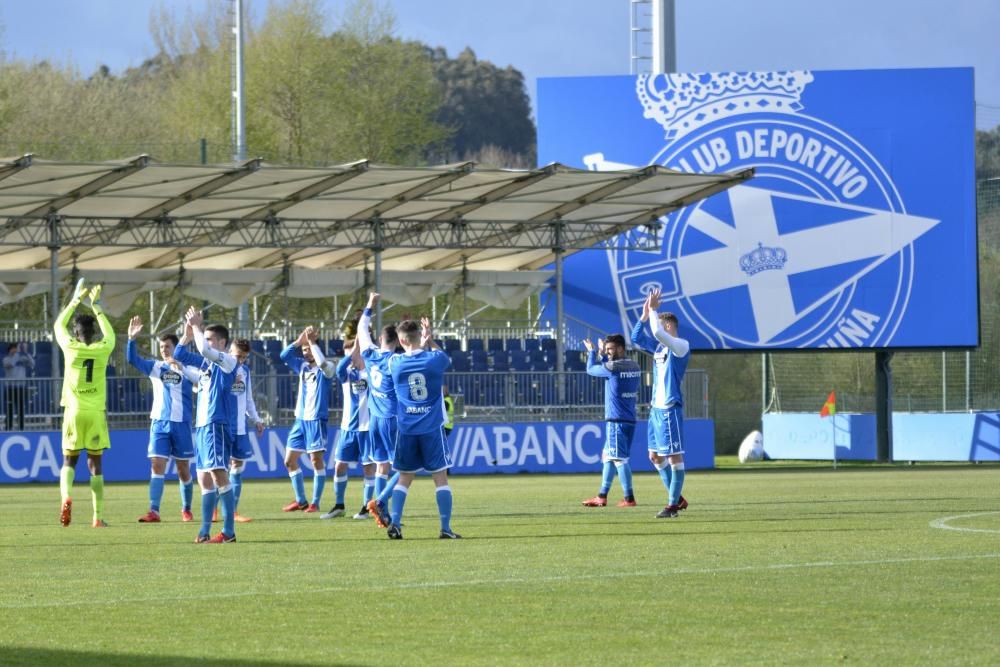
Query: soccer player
<point>671,355</point>
<point>353,442</point>
<point>311,411</point>
<point>620,393</point>
<point>418,375</point>
<point>245,409</point>
<point>84,396</point>
<point>170,419</point>
<point>382,404</point>
<point>214,419</point>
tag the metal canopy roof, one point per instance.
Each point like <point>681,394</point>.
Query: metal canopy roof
<point>138,213</point>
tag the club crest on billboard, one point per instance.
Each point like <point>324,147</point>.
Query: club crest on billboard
<point>823,248</point>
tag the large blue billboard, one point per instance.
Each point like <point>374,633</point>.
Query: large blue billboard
<point>858,230</point>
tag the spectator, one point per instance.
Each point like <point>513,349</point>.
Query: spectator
<point>16,365</point>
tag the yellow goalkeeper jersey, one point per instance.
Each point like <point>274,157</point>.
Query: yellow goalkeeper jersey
<point>85,382</point>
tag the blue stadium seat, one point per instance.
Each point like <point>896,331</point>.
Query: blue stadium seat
<point>514,344</point>
<point>43,365</point>
<point>549,344</point>
<point>459,361</point>
<point>42,347</point>
<point>499,361</point>
<point>452,345</point>
<point>335,347</point>
<point>538,361</point>
<point>494,345</point>
<point>532,345</point>
<point>575,360</point>
<point>480,363</point>
<point>520,360</point>
<point>475,345</point>
<point>257,346</point>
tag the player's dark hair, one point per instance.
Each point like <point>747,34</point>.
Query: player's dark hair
<point>410,330</point>
<point>390,335</point>
<point>669,317</point>
<point>243,345</point>
<point>171,337</point>
<point>85,328</point>
<point>616,339</point>
<point>219,330</point>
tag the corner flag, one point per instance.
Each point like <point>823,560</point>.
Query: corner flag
<point>830,407</point>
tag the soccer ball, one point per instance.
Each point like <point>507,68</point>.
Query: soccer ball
<point>752,447</point>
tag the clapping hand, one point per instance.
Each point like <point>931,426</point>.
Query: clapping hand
<point>134,327</point>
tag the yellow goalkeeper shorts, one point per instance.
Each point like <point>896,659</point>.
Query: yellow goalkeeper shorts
<point>85,430</point>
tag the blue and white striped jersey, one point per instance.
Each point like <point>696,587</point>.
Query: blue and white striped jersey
<point>354,384</point>
<point>171,388</point>
<point>314,387</point>
<point>668,366</point>
<point>215,403</point>
<point>381,389</point>
<point>243,395</point>
<point>418,377</point>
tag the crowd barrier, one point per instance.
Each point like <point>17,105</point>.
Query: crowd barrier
<point>536,447</point>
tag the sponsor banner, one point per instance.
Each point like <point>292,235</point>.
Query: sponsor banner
<point>555,447</point>
<point>860,219</point>
<point>916,437</point>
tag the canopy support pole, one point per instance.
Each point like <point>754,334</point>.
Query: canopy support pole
<point>558,251</point>
<point>379,246</point>
<point>53,221</point>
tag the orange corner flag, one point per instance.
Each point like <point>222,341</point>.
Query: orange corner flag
<point>830,407</point>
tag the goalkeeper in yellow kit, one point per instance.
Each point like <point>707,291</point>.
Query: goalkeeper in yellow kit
<point>84,396</point>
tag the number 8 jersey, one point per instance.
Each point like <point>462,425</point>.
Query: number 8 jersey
<point>418,377</point>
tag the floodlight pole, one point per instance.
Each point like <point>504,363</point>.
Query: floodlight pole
<point>557,252</point>
<point>883,404</point>
<point>664,37</point>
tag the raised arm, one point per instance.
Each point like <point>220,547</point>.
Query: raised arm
<point>62,332</point>
<point>594,365</point>
<point>223,360</point>
<point>327,367</point>
<point>364,324</point>
<point>678,346</point>
<point>107,331</point>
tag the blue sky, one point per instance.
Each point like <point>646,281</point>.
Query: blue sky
<point>580,37</point>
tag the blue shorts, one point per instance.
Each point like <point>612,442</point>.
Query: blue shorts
<point>170,439</point>
<point>422,451</point>
<point>352,446</point>
<point>307,435</point>
<point>213,445</point>
<point>665,427</point>
<point>618,441</point>
<point>243,450</point>
<point>382,439</point>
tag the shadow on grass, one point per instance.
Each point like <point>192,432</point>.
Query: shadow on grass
<point>11,656</point>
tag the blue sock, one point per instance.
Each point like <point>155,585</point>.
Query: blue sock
<point>227,501</point>
<point>236,476</point>
<point>319,481</point>
<point>625,477</point>
<point>380,482</point>
<point>298,485</point>
<point>389,487</point>
<point>677,484</point>
<point>369,490</point>
<point>607,477</point>
<point>155,492</point>
<point>398,500</point>
<point>208,500</point>
<point>444,506</point>
<point>187,494</point>
<point>665,475</point>
<point>340,487</point>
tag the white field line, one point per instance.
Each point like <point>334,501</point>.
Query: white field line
<point>508,581</point>
<point>943,522</point>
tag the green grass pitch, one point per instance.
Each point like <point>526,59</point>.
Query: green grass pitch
<point>770,565</point>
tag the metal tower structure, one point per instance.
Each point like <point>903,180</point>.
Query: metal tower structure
<point>652,36</point>
<point>239,108</point>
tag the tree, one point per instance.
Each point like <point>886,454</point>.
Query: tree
<point>484,106</point>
